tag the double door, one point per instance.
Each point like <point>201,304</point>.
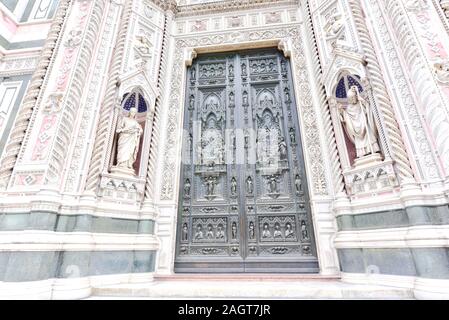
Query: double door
<point>243,200</point>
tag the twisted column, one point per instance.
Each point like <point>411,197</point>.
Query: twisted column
<point>100,146</point>
<point>37,82</point>
<point>75,91</point>
<point>149,190</point>
<point>337,175</point>
<point>398,150</point>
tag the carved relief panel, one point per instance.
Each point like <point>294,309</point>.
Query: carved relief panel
<point>243,203</point>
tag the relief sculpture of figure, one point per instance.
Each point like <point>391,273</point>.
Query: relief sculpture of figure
<point>220,232</point>
<point>233,186</point>
<point>129,132</point>
<point>266,231</point>
<point>358,121</point>
<point>185,232</point>
<point>251,231</point>
<point>249,185</point>
<point>187,188</point>
<point>199,232</point>
<point>277,231</point>
<point>282,149</point>
<point>289,233</point>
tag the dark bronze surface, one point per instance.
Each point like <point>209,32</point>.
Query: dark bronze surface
<point>244,202</point>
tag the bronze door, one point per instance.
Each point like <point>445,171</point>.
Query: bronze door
<point>243,202</point>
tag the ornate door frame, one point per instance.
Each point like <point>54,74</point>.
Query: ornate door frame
<point>293,42</point>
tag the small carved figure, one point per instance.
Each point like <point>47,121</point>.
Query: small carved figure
<point>289,231</point>
<point>249,185</point>
<point>185,232</point>
<point>251,230</point>
<point>189,144</point>
<point>192,102</point>
<point>231,99</point>
<point>245,98</point>
<point>193,73</point>
<point>144,45</point>
<point>244,69</point>
<point>272,184</point>
<point>287,95</point>
<point>283,66</point>
<point>266,233</point>
<point>441,70</point>
<point>210,232</point>
<point>292,135</point>
<point>234,231</point>
<point>233,186</point>
<point>231,70</point>
<point>298,184</point>
<point>334,26</point>
<point>304,232</point>
<point>129,132</point>
<point>277,231</point>
<point>282,149</point>
<point>220,232</point>
<point>199,232</point>
<point>187,187</point>
<point>210,184</point>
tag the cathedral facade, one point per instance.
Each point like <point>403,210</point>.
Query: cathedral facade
<point>145,141</point>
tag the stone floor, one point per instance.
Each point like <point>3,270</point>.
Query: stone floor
<point>256,287</point>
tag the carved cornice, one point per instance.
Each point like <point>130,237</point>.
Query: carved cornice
<point>229,5</point>
<point>166,4</point>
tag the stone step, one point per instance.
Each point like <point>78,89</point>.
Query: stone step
<point>248,289</point>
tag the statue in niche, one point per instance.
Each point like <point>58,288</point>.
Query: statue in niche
<point>220,232</point>
<point>272,184</point>
<point>231,99</point>
<point>251,231</point>
<point>212,143</point>
<point>358,121</point>
<point>192,102</point>
<point>277,231</point>
<point>234,231</point>
<point>304,232</point>
<point>199,232</point>
<point>282,149</point>
<point>249,185</point>
<point>189,144</point>
<point>244,69</point>
<point>187,186</point>
<point>129,132</point>
<point>283,66</point>
<point>210,232</point>
<point>298,184</point>
<point>192,73</point>
<point>210,185</point>
<point>289,233</point>
<point>266,233</point>
<point>231,70</point>
<point>185,232</point>
<point>292,135</point>
<point>233,186</point>
<point>245,98</point>
<point>267,139</point>
<point>287,95</point>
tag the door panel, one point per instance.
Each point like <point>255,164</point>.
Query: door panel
<point>244,203</point>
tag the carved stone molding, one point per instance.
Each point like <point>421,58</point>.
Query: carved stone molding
<point>221,6</point>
